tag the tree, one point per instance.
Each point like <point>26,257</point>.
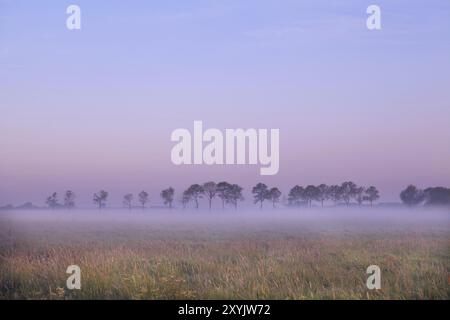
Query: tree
<point>359,195</point>
<point>412,196</point>
<point>143,198</point>
<point>310,194</point>
<point>334,193</point>
<point>195,192</point>
<point>233,194</point>
<point>210,189</point>
<point>348,191</point>
<point>295,195</point>
<point>261,193</point>
<point>371,194</point>
<point>127,200</point>
<point>322,193</point>
<point>167,196</point>
<point>222,189</point>
<point>100,198</point>
<point>437,196</point>
<point>274,195</point>
<point>185,198</point>
<point>69,199</point>
<point>52,201</point>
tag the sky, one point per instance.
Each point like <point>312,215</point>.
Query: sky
<point>94,108</point>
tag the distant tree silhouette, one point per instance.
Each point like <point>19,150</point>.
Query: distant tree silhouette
<point>335,193</point>
<point>371,194</point>
<point>412,196</point>
<point>186,197</point>
<point>52,201</point>
<point>210,189</point>
<point>143,198</point>
<point>233,194</point>
<point>310,194</point>
<point>167,196</point>
<point>261,193</point>
<point>195,192</point>
<point>348,191</point>
<point>322,194</point>
<point>359,195</point>
<point>295,195</point>
<point>100,198</point>
<point>127,200</point>
<point>222,189</point>
<point>274,195</point>
<point>69,199</point>
<point>437,196</point>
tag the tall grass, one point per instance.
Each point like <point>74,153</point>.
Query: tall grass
<point>154,261</point>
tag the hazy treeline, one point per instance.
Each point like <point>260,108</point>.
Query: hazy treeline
<point>231,194</point>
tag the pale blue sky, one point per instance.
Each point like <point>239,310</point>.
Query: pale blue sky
<point>94,108</point>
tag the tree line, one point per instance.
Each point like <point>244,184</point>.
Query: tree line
<point>435,196</point>
<point>231,194</point>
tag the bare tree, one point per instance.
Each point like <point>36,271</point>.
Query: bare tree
<point>261,193</point>
<point>127,200</point>
<point>274,196</point>
<point>69,199</point>
<point>52,201</point>
<point>167,195</point>
<point>210,189</point>
<point>143,198</point>
<point>100,198</point>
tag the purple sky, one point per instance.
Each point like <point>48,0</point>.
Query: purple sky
<point>94,109</point>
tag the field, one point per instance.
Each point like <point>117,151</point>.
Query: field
<point>273,254</point>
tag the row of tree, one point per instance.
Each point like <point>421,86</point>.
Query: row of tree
<point>346,192</point>
<point>231,194</point>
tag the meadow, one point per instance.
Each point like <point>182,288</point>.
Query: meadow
<point>273,254</point>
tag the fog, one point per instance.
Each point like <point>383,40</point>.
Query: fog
<point>121,225</point>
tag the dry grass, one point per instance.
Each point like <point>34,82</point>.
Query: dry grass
<point>173,261</point>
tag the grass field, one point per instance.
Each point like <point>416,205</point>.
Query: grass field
<point>282,254</point>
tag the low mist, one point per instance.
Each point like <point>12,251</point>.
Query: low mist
<point>121,225</point>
